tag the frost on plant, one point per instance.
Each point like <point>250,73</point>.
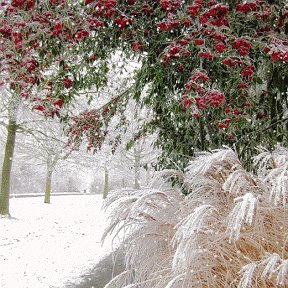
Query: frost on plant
<point>247,271</point>
<point>242,213</point>
<point>274,169</point>
<point>269,265</point>
<point>282,272</point>
<point>279,191</point>
<point>229,231</point>
<point>186,238</point>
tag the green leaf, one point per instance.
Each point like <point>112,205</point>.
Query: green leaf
<point>129,145</point>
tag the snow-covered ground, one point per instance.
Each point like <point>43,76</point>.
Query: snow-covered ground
<point>49,245</point>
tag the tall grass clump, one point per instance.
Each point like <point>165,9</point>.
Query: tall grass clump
<point>231,230</point>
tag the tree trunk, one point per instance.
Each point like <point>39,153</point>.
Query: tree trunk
<point>48,185</point>
<point>136,169</point>
<point>6,168</point>
<point>106,184</point>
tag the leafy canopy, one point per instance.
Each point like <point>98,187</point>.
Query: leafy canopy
<point>216,72</point>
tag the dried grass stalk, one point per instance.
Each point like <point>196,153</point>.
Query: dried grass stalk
<point>230,231</point>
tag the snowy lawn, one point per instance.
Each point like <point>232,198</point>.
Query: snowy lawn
<point>48,245</point>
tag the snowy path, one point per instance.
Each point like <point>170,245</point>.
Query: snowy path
<point>102,273</point>
<point>47,246</point>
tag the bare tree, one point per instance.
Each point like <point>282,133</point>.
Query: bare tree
<point>47,147</point>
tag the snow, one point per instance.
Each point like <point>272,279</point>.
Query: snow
<point>51,245</point>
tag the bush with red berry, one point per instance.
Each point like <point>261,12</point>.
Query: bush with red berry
<point>212,68</point>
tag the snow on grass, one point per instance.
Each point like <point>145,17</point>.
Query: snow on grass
<point>48,245</point>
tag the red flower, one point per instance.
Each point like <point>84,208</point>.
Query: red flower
<point>222,125</point>
<point>214,98</point>
<point>227,120</point>
<point>195,114</point>
<point>200,102</point>
<point>219,22</point>
<point>147,8</point>
<point>200,90</point>
<point>265,13</point>
<point>215,15</point>
<point>229,62</point>
<point>203,19</point>
<point>275,55</point>
<point>205,55</point>
<point>243,51</point>
<point>199,41</point>
<point>193,10</point>
<point>229,136</point>
<point>219,47</point>
<point>187,102</point>
<point>17,35</point>
<point>122,21</point>
<point>57,29</point>
<point>242,85</point>
<point>247,72</point>
<point>27,4</point>
<point>137,46</point>
<point>6,30</point>
<point>38,107</point>
<point>169,5</point>
<point>235,112</point>
<point>95,23</point>
<point>285,56</point>
<point>185,53</point>
<point>182,42</point>
<point>188,85</point>
<point>175,49</point>
<point>197,75</point>
<point>261,115</point>
<point>105,7</point>
<point>217,10</point>
<point>218,36</point>
<point>93,57</point>
<point>58,26</point>
<point>168,25</point>
<point>246,7</point>
<point>266,49</point>
<point>17,3</point>
<point>247,104</point>
<point>81,34</point>
<point>67,82</point>
<point>242,46</point>
<point>30,65</point>
<point>58,103</point>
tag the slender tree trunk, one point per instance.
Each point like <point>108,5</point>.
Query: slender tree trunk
<point>48,185</point>
<point>123,182</point>
<point>106,184</point>
<point>6,168</point>
<point>136,169</point>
